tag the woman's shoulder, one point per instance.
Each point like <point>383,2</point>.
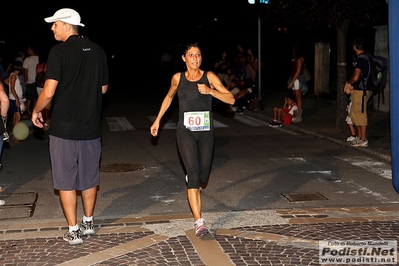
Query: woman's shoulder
<point>209,73</point>
<point>177,76</point>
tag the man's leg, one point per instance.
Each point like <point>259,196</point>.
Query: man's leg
<point>89,198</point>
<point>68,204</point>
<point>363,130</point>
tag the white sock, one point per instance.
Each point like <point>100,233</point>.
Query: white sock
<point>200,221</point>
<point>87,219</point>
<point>73,228</point>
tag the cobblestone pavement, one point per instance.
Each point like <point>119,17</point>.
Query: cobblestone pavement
<point>288,237</point>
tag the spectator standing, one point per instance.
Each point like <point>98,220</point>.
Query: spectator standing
<point>20,57</point>
<point>76,79</point>
<point>296,80</point>
<point>354,86</point>
<point>195,88</point>
<point>29,66</point>
<point>15,93</point>
<point>349,122</point>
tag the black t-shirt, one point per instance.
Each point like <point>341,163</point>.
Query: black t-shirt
<point>80,67</point>
<point>363,64</point>
<point>190,99</point>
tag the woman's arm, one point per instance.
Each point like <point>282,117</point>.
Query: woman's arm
<point>218,90</point>
<point>165,104</point>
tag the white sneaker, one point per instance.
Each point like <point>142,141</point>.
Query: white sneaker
<point>2,202</point>
<point>297,119</point>
<point>360,143</point>
<point>351,138</point>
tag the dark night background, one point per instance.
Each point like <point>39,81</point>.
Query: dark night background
<point>139,32</point>
<point>135,37</point>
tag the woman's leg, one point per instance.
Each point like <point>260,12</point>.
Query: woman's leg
<point>298,97</point>
<point>187,144</point>
<point>196,149</point>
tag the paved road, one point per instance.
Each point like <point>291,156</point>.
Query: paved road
<point>281,236</point>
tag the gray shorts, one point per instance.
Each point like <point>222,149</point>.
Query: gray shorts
<point>75,163</point>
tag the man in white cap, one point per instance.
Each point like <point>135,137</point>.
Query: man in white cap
<point>76,79</point>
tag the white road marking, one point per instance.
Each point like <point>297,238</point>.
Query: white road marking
<point>119,124</point>
<point>370,165</point>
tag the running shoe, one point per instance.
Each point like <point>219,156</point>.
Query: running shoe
<point>351,138</point>
<point>74,237</point>
<point>360,143</point>
<point>276,123</point>
<point>200,228</point>
<point>2,202</point>
<point>297,119</point>
<point>87,228</point>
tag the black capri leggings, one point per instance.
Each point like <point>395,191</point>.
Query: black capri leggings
<point>196,150</point>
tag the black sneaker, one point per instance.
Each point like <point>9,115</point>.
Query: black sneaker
<point>276,124</point>
<point>87,228</point>
<point>272,123</point>
<point>74,237</point>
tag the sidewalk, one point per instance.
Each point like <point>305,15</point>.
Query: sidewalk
<point>319,119</point>
<point>266,237</point>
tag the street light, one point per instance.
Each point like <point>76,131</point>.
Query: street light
<point>253,2</point>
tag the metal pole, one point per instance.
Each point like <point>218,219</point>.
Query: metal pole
<point>259,59</point>
<point>393,27</point>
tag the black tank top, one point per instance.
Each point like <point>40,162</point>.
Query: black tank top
<point>190,99</point>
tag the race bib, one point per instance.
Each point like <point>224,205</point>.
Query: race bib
<point>197,121</point>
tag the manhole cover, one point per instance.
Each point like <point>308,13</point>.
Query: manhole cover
<point>18,205</point>
<point>121,167</point>
<point>295,197</point>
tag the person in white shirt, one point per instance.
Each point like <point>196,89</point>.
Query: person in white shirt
<point>29,73</point>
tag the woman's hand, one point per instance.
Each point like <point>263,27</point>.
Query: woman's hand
<point>154,129</point>
<point>203,89</point>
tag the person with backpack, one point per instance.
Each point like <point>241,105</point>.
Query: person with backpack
<point>357,87</point>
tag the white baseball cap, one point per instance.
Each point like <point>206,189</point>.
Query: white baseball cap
<point>66,15</point>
